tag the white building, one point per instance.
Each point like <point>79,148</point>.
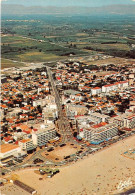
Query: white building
<point>115,86</point>
<point>61,65</point>
<point>77,97</point>
<point>96,90</point>
<point>101,132</point>
<point>1,114</point>
<point>73,110</point>
<point>83,122</point>
<point>50,113</point>
<point>129,121</point>
<point>8,150</point>
<point>73,95</point>
<point>101,117</point>
<point>110,87</point>
<point>41,102</point>
<point>26,144</point>
<point>125,120</point>
<point>43,134</point>
<point>43,88</point>
<point>132,108</point>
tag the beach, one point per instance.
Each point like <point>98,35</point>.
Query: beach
<point>96,174</point>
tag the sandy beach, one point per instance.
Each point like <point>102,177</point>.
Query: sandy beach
<point>97,174</point>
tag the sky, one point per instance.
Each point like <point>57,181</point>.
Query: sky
<point>86,3</point>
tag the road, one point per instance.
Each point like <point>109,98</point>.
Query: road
<point>63,123</point>
<point>47,162</point>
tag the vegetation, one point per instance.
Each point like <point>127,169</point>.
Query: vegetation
<point>5,63</point>
<point>47,38</point>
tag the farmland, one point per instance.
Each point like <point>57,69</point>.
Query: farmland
<point>8,63</point>
<point>36,38</point>
<point>25,49</point>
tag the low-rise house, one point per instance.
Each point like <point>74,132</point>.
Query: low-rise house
<point>14,112</point>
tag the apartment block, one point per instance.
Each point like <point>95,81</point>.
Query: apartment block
<point>111,87</point>
<point>50,113</point>
<point>26,144</point>
<point>125,120</point>
<point>8,150</point>
<point>100,117</point>
<point>43,134</point>
<point>73,110</point>
<point>101,132</point>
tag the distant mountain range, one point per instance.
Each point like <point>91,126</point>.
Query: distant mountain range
<point>22,10</point>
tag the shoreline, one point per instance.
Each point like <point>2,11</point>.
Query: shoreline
<point>95,174</point>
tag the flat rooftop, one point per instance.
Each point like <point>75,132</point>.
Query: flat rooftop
<point>41,127</point>
<point>125,115</point>
<point>7,147</point>
<point>96,114</point>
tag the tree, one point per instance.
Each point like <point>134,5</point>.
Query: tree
<point>94,77</point>
<point>39,108</point>
<point>111,113</point>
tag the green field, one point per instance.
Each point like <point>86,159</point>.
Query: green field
<point>62,36</point>
<point>35,56</point>
<point>28,50</point>
<point>117,46</point>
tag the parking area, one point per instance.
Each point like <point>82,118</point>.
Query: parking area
<point>61,152</point>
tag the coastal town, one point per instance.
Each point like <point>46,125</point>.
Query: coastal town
<point>67,104</point>
<point>56,116</point>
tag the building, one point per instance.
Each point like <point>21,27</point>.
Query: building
<point>14,112</point>
<point>115,86</point>
<point>8,150</point>
<point>96,90</point>
<point>132,108</point>
<point>101,132</point>
<point>125,120</point>
<point>83,122</point>
<point>73,110</point>
<point>41,102</point>
<point>1,114</point>
<point>101,117</point>
<point>110,87</point>
<point>3,78</point>
<point>50,113</point>
<point>41,134</point>
<point>129,122</point>
<point>74,95</point>
<point>26,145</point>
<point>119,121</point>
